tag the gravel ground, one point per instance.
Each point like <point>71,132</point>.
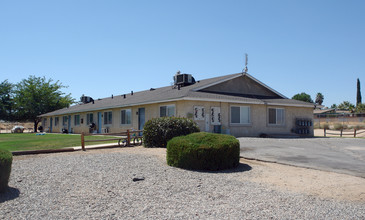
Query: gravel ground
<point>88,185</point>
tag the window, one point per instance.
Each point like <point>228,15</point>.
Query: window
<point>240,115</point>
<point>56,121</point>
<point>108,118</point>
<point>167,111</point>
<point>77,120</point>
<point>89,118</point>
<point>126,117</point>
<point>64,120</point>
<point>276,116</point>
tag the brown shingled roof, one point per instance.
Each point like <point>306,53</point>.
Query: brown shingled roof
<point>171,93</point>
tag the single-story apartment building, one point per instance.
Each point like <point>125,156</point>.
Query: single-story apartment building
<point>236,104</point>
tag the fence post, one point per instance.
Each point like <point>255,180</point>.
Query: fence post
<point>83,141</point>
<point>128,138</point>
<point>324,132</point>
<point>354,132</point>
<point>341,132</point>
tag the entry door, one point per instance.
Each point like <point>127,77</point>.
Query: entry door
<point>50,125</point>
<point>141,118</point>
<point>69,124</point>
<point>207,122</point>
<point>99,122</point>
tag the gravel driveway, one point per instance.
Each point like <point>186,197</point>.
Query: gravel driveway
<point>341,155</point>
<point>89,185</point>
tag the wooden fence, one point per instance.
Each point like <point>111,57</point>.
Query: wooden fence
<point>342,132</point>
<point>127,138</point>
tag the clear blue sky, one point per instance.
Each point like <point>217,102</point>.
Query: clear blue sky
<point>100,48</point>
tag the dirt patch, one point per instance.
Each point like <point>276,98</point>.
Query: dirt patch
<point>317,183</point>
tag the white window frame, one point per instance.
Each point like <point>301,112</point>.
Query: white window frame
<point>109,117</point>
<point>276,117</point>
<point>64,120</point>
<point>88,121</point>
<point>128,115</point>
<point>240,123</point>
<point>167,110</point>
<point>56,121</point>
<point>77,120</point>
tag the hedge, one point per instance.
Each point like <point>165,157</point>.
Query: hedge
<point>203,151</point>
<point>158,131</point>
<point>6,159</point>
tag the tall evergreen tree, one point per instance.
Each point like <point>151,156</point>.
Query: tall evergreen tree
<point>358,95</point>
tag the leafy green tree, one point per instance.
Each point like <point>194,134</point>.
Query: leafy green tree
<point>303,97</point>
<point>358,94</point>
<point>334,106</point>
<point>37,95</point>
<point>319,98</point>
<point>6,101</point>
<point>360,108</point>
<point>346,105</point>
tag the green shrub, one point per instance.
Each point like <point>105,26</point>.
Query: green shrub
<point>203,151</point>
<point>358,127</point>
<point>325,126</point>
<point>158,131</point>
<point>6,159</point>
<point>339,126</point>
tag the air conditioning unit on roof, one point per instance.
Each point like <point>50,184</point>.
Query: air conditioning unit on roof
<point>183,79</point>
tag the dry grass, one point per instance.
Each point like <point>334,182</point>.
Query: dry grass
<point>333,125</point>
<point>5,127</point>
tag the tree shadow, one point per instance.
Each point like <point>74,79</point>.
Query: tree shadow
<point>9,194</point>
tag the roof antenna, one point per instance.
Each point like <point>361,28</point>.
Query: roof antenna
<point>245,70</point>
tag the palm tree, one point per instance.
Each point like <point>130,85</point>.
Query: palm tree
<point>319,98</point>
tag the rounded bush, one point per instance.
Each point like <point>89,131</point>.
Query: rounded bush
<point>339,126</point>
<point>6,159</point>
<point>158,131</point>
<point>203,151</point>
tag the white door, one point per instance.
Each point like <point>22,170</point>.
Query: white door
<point>207,122</point>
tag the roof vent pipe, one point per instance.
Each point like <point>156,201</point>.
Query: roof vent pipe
<point>131,92</point>
<point>112,96</point>
<point>124,96</point>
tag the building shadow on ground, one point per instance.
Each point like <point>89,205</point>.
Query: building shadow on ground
<point>9,194</point>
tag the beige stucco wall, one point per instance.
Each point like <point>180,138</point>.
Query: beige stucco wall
<point>258,123</point>
<point>259,118</point>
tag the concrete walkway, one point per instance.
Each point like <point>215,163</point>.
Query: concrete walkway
<point>341,155</point>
